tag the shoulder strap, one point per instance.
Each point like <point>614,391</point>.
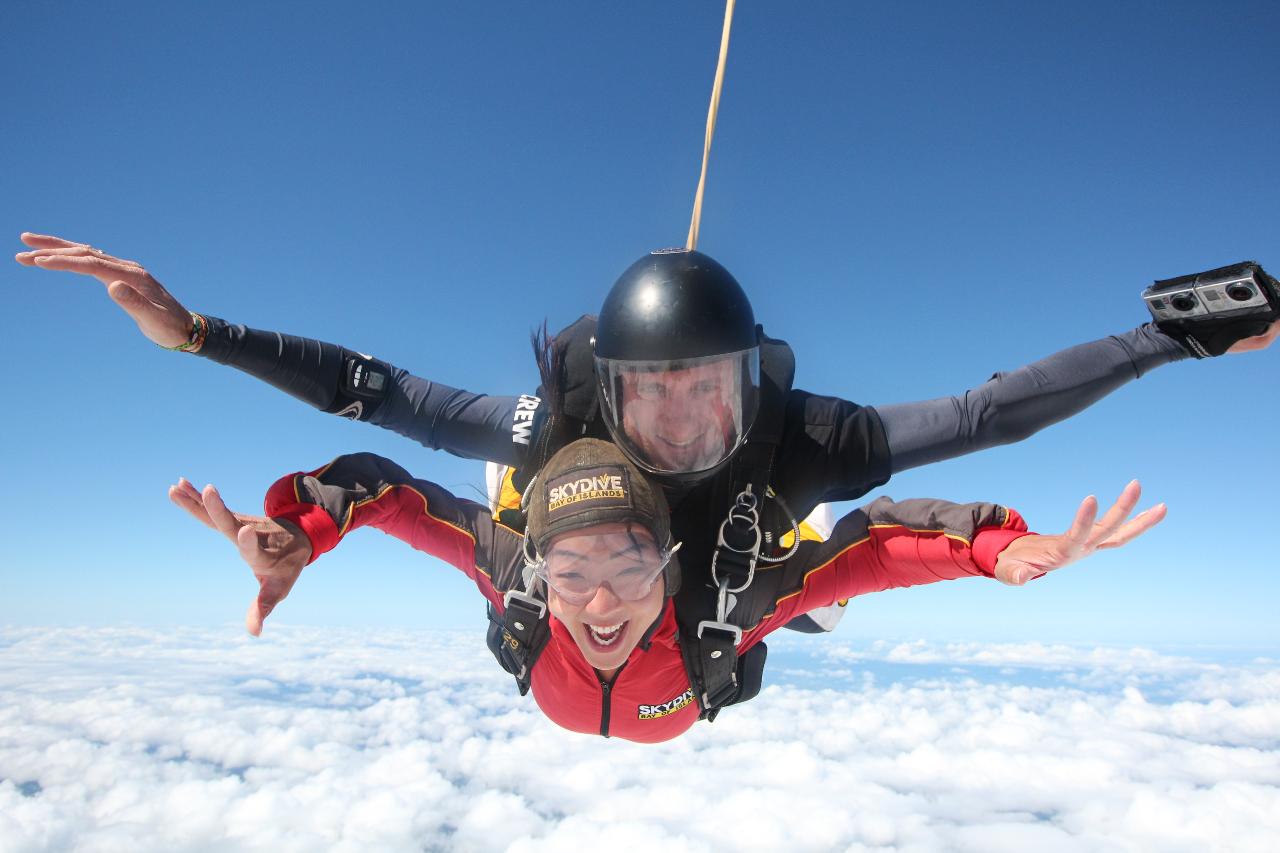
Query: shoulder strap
<point>777,374</point>
<point>518,635</point>
<point>740,537</point>
<point>710,633</point>
<point>718,675</point>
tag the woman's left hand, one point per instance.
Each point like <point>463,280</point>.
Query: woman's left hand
<point>1032,556</point>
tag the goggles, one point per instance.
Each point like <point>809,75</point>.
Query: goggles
<point>577,580</point>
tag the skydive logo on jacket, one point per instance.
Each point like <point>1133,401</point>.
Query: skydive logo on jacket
<point>594,488</point>
<point>653,712</point>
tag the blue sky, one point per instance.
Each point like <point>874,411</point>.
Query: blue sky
<point>914,195</point>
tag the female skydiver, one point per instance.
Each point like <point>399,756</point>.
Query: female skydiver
<point>601,551</point>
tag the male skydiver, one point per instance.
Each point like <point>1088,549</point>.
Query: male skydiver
<point>648,322</point>
<point>613,658</point>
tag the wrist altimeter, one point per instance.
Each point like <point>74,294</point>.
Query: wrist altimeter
<point>1208,312</point>
<point>362,384</point>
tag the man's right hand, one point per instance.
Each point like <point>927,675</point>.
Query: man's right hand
<point>159,316</point>
<point>275,551</point>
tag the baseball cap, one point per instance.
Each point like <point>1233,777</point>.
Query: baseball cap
<point>592,482</point>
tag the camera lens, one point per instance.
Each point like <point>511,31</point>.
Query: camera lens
<point>1183,302</point>
<point>1240,292</point>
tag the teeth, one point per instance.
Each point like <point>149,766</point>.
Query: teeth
<point>605,634</point>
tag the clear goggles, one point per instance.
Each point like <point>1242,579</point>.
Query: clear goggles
<point>680,416</point>
<point>577,580</point>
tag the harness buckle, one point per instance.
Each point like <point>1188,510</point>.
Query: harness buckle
<point>519,638</point>
<point>525,599</point>
<point>724,627</point>
<point>751,573</point>
<point>744,511</point>
<point>753,548</point>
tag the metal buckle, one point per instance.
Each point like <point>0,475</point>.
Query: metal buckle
<point>744,509</point>
<point>732,630</point>
<point>525,599</point>
<point>751,571</point>
<point>754,548</point>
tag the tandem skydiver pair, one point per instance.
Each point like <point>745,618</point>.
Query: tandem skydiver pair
<point>767,451</point>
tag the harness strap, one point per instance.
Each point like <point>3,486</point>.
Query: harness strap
<point>718,648</point>
<point>711,632</point>
<point>518,636</point>
<point>719,675</point>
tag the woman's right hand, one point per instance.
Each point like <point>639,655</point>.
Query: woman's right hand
<point>159,316</point>
<point>275,551</point>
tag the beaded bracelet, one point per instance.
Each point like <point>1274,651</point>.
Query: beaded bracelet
<point>199,331</point>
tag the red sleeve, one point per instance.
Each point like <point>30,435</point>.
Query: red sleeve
<point>282,502</point>
<point>884,550</point>
<point>363,490</point>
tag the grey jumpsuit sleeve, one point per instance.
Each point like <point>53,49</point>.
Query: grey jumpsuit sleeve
<point>1012,406</point>
<point>474,426</point>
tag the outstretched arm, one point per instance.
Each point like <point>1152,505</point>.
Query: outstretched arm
<point>323,375</point>
<point>309,513</point>
<point>889,545</point>
<point>366,490</point>
<point>1010,407</point>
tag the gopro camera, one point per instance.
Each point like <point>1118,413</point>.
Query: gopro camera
<point>1239,292</point>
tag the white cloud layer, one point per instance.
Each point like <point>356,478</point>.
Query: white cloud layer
<point>142,740</point>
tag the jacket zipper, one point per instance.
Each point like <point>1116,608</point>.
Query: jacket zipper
<point>605,704</point>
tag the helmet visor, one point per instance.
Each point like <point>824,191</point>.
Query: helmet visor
<point>680,416</point>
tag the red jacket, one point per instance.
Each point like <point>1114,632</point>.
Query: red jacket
<point>881,546</point>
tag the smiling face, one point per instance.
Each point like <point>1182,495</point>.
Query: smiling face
<point>683,420</point>
<point>605,585</point>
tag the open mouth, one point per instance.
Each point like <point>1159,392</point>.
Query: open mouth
<point>604,636</point>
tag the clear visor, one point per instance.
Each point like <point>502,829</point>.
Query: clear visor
<point>680,416</point>
<point>577,575</point>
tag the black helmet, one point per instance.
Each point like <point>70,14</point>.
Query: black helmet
<point>677,358</point>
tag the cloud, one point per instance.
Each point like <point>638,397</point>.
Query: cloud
<point>309,739</point>
<point>1038,655</point>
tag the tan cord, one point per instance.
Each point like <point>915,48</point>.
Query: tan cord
<point>692,242</point>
